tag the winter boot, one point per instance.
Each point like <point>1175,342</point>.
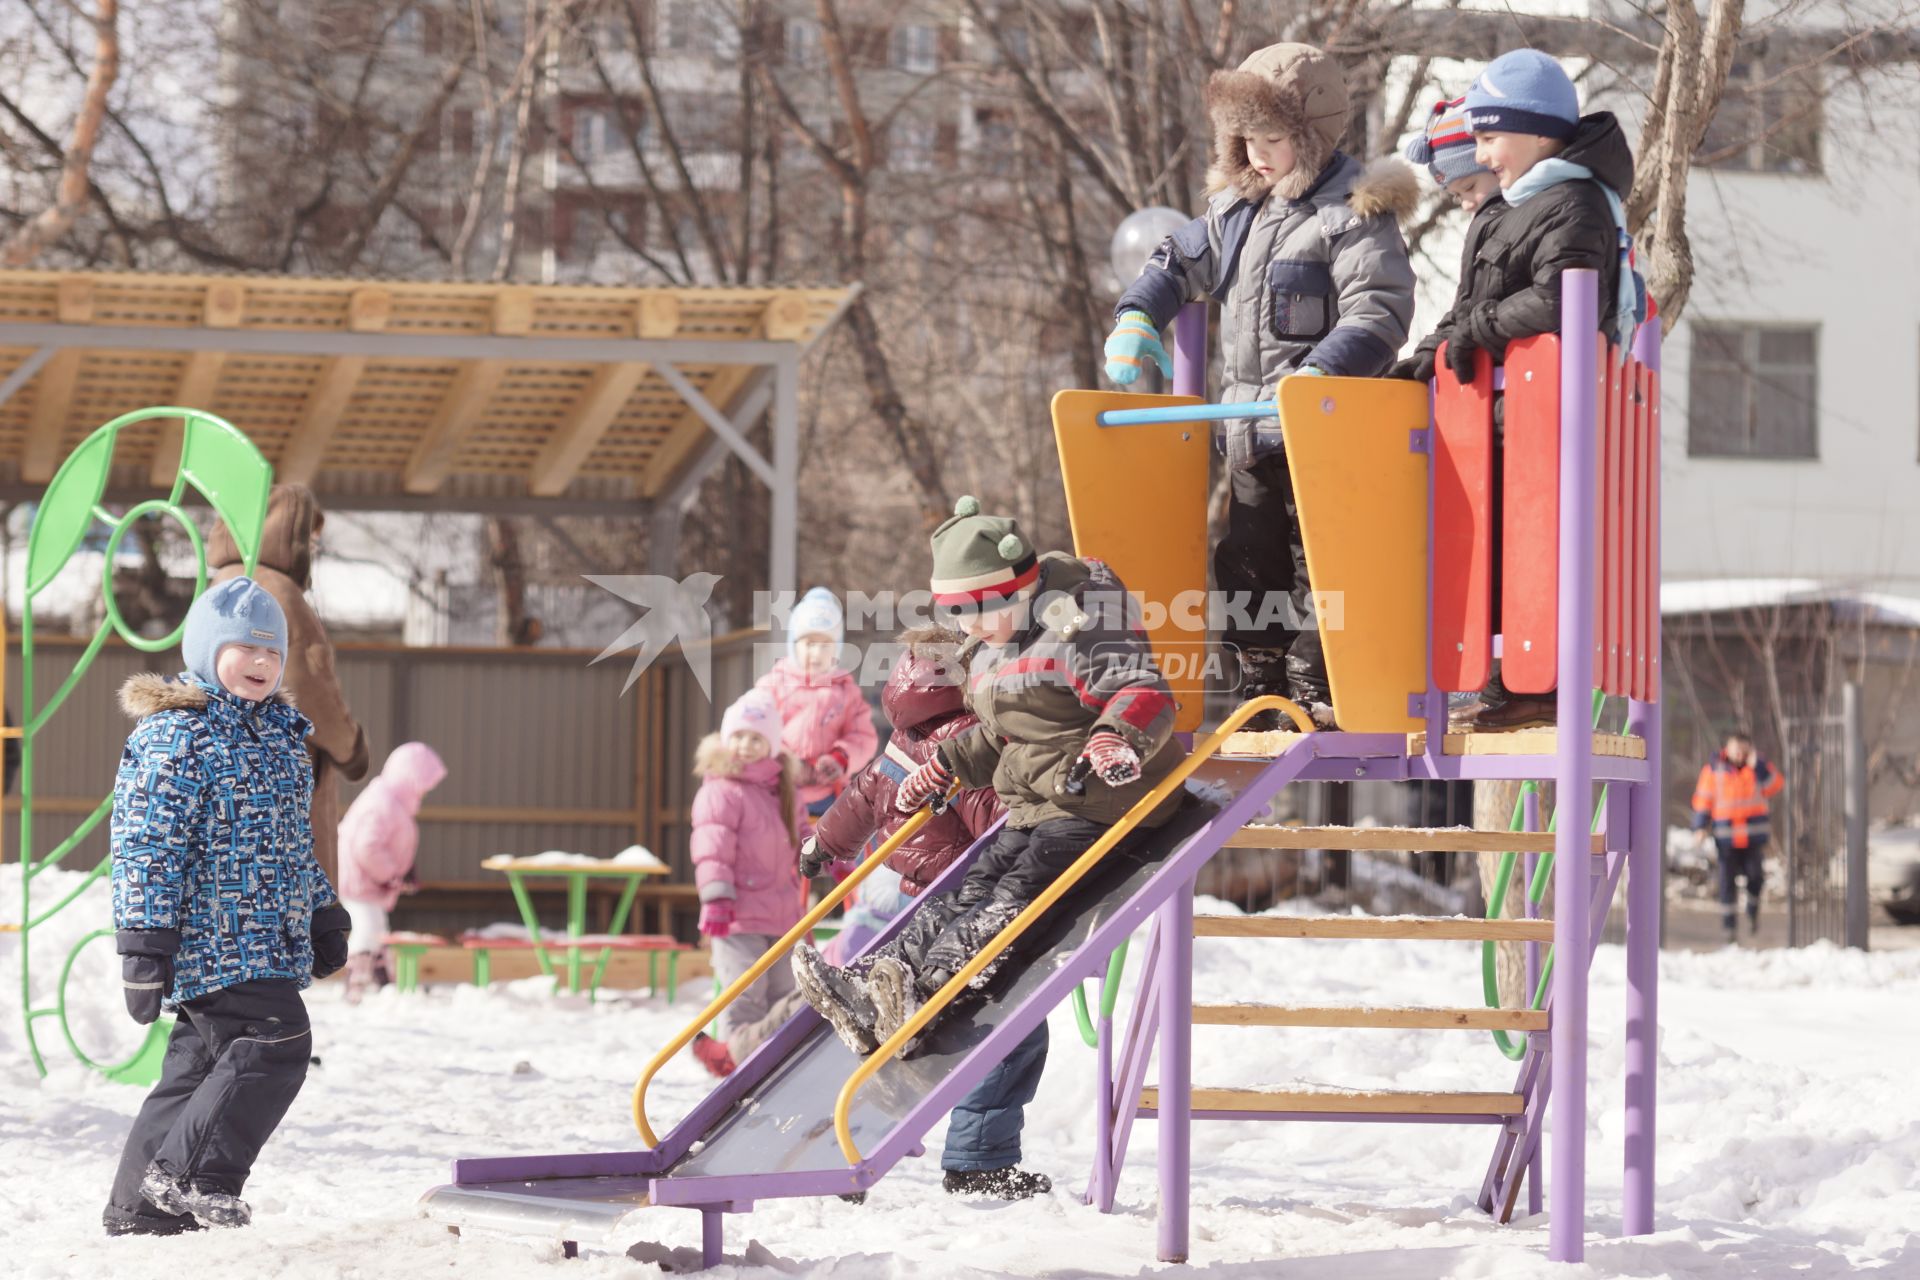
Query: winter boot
<point>713,1055</point>
<point>359,976</point>
<point>118,1222</point>
<point>895,1001</point>
<point>1753,918</point>
<point>1307,686</point>
<point>1263,672</point>
<point>1501,710</point>
<point>1010,1183</point>
<point>839,997</point>
<point>209,1207</point>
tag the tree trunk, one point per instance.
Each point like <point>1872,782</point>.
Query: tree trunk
<point>1493,806</point>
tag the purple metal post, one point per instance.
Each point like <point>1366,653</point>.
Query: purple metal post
<point>1103,1117</point>
<point>1530,820</point>
<point>1573,770</point>
<point>1190,350</point>
<point>1176,1070</point>
<point>710,1253</point>
<point>1646,870</point>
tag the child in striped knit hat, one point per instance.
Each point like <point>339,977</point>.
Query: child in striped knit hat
<point>1445,147</point>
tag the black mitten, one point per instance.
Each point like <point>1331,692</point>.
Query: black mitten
<point>146,969</point>
<point>1460,358</point>
<point>331,924</point>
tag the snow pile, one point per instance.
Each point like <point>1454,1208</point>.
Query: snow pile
<point>1790,1133</point>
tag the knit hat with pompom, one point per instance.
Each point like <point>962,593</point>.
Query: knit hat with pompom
<point>979,560</point>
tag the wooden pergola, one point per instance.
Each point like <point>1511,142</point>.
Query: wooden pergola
<point>413,395</point>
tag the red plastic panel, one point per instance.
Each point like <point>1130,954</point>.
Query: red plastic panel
<point>1462,526</point>
<point>1650,577</point>
<point>1633,590</point>
<point>1642,628</point>
<point>1606,565</point>
<point>1530,538</point>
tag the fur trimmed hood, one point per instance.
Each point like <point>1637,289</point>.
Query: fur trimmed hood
<point>148,695</point>
<point>1385,186</point>
<point>1294,90</point>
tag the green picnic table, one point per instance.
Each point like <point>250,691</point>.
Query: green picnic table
<point>578,873</point>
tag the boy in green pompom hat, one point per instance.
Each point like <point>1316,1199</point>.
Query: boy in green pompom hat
<point>1076,726</point>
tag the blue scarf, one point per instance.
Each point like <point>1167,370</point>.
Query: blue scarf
<point>1630,302</point>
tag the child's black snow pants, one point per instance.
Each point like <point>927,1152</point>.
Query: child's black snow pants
<point>951,928</point>
<point>236,1061</point>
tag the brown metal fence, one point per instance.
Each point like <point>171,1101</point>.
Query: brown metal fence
<point>543,751</point>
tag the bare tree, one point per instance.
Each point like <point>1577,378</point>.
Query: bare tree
<point>73,188</point>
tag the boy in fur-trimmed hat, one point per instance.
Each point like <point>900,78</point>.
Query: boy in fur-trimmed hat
<point>1301,246</point>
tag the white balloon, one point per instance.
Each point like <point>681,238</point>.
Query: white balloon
<point>1138,235</point>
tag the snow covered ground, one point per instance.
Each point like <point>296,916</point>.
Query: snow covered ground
<point>1790,1134</point>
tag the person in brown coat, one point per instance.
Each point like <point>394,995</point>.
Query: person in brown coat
<point>338,744</point>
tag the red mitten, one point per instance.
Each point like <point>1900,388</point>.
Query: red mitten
<point>923,784</point>
<point>716,917</point>
<point>830,767</point>
<point>1116,763</point>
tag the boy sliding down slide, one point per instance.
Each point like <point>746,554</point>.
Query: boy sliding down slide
<point>1076,726</point>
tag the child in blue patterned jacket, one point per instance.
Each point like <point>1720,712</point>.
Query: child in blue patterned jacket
<point>221,911</point>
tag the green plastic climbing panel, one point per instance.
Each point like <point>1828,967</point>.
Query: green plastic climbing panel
<point>224,469</point>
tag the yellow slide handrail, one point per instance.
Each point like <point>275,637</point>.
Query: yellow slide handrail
<point>764,963</point>
<point>843,1107</point>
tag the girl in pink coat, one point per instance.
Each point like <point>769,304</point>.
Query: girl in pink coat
<point>748,823</point>
<point>378,840</point>
<point>826,723</point>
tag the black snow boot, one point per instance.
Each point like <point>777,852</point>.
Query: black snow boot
<point>1307,686</point>
<point>120,1223</point>
<point>1010,1183</point>
<point>1263,673</point>
<point>209,1207</point>
<point>839,997</point>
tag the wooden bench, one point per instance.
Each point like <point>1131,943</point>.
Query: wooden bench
<point>407,950</point>
<point>481,947</point>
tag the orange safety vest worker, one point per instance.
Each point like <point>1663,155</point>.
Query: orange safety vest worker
<point>1734,799</point>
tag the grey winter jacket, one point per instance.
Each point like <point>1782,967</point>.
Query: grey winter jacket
<point>1322,280</point>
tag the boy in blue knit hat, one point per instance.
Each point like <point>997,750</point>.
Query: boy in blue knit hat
<point>1561,176</point>
<point>221,911</point>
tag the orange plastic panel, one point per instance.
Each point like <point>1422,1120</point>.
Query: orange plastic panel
<point>1137,498</point>
<point>1462,526</point>
<point>1529,620</point>
<point>1360,481</point>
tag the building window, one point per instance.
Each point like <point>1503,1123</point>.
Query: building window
<point>1768,121</point>
<point>911,145</point>
<point>916,47</point>
<point>803,43</point>
<point>593,133</point>
<point>1752,392</point>
<point>697,27</point>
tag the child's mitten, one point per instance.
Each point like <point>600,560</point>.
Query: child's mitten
<point>329,930</point>
<point>146,969</point>
<point>716,917</point>
<point>923,784</point>
<point>1112,759</point>
<point>1133,342</point>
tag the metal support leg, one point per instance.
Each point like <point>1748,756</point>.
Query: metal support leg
<point>1573,773</point>
<point>1530,819</point>
<point>1103,1118</point>
<point>783,558</point>
<point>1176,1071</point>
<point>1644,894</point>
<point>710,1238</point>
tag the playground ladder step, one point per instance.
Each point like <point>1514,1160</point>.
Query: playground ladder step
<point>1366,1102</point>
<point>1464,927</point>
<point>1398,839</point>
<point>1395,1017</point>
<point>1522,742</point>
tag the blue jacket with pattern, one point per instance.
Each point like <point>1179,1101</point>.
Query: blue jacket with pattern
<point>211,833</point>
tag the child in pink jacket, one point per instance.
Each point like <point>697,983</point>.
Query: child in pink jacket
<point>378,840</point>
<point>748,823</point>
<point>827,725</point>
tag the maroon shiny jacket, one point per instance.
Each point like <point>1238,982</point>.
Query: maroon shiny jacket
<point>924,703</point>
